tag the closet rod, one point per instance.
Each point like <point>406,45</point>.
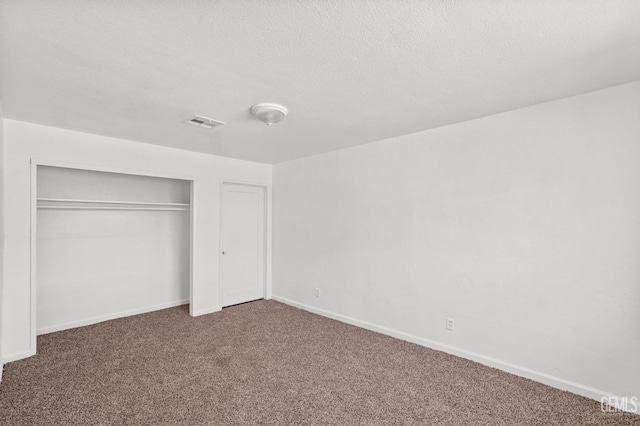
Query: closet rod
<point>142,203</point>
<point>113,208</point>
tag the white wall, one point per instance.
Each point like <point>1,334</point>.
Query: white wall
<point>524,227</point>
<point>2,204</point>
<point>24,142</point>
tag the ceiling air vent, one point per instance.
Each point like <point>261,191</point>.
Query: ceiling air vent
<point>207,123</point>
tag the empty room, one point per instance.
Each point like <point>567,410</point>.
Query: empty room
<point>319,212</point>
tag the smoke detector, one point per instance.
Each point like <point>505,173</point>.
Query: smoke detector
<point>206,122</point>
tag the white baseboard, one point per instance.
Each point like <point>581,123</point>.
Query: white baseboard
<point>17,356</point>
<point>537,376</point>
<point>205,311</point>
<point>1,370</point>
<point>107,317</point>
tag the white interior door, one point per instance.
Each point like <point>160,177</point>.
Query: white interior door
<point>242,260</point>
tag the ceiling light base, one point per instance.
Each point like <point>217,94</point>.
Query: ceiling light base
<point>269,113</point>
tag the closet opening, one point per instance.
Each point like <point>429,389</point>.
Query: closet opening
<point>106,245</point>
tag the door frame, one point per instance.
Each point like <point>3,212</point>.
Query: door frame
<point>266,291</point>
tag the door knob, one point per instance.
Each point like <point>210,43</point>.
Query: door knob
<point>224,252</point>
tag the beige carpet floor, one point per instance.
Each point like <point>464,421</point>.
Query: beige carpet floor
<point>267,363</point>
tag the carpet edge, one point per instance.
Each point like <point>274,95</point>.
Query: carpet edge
<point>546,379</point>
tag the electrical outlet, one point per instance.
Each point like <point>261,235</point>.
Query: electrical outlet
<point>317,292</point>
<point>451,325</point>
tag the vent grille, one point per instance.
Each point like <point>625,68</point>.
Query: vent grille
<point>205,122</point>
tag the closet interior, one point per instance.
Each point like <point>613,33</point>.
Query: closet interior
<point>109,245</point>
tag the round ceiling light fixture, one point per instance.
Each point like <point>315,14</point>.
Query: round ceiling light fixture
<point>269,113</point>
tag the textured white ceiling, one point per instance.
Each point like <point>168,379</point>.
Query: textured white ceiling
<point>350,72</point>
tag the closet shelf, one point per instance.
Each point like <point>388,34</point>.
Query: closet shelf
<point>73,204</point>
